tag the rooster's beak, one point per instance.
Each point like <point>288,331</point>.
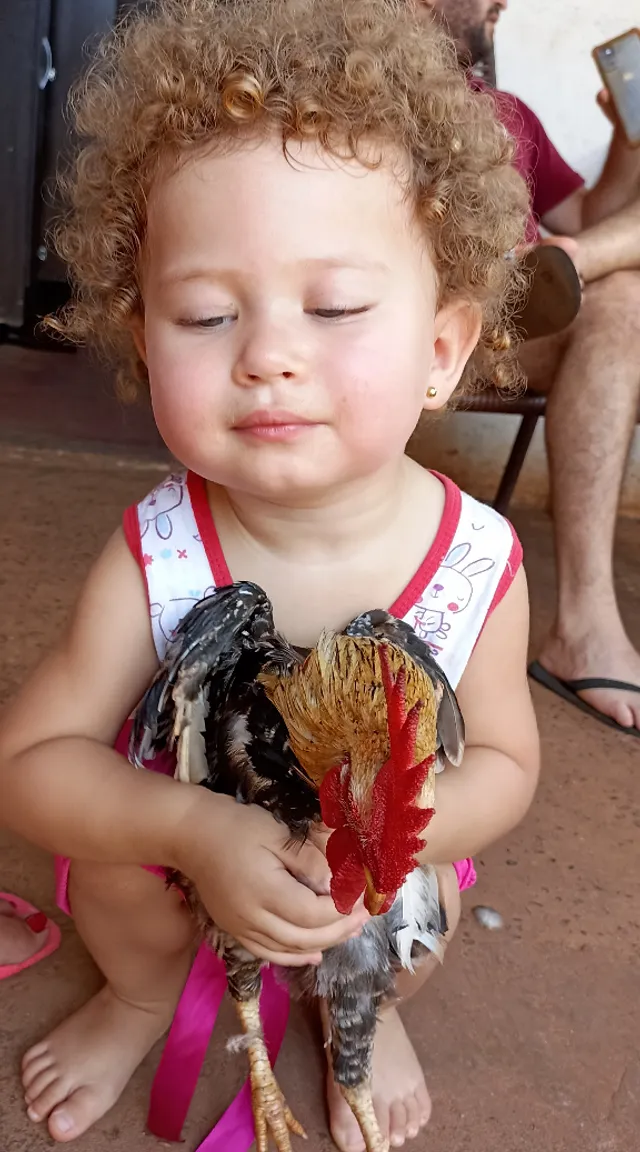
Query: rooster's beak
<point>374,901</point>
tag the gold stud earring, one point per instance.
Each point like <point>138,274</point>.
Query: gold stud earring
<point>432,393</point>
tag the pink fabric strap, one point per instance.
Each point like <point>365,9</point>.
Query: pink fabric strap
<point>186,1047</point>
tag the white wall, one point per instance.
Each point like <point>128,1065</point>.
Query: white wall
<point>543,55</point>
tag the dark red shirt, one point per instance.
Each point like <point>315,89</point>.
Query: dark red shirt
<point>548,176</point>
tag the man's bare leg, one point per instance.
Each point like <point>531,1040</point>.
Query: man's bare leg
<point>141,937</point>
<point>591,416</point>
<point>401,1099</point>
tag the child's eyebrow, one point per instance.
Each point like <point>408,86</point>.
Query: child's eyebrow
<point>330,263</point>
<point>357,262</point>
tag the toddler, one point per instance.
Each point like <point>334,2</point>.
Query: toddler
<point>288,225</point>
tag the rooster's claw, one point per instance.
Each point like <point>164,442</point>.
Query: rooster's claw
<point>271,1113</point>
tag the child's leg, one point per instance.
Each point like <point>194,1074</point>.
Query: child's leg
<point>400,1094</point>
<point>141,937</point>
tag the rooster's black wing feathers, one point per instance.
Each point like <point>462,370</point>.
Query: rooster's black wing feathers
<point>230,737</point>
<point>206,646</point>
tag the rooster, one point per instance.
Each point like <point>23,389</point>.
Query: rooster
<point>346,736</point>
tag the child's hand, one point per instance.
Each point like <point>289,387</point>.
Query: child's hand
<point>265,894</point>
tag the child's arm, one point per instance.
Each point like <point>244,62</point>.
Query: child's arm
<point>61,784</point>
<point>493,787</point>
<point>63,787</point>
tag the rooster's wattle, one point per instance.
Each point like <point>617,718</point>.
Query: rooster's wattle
<point>347,735</point>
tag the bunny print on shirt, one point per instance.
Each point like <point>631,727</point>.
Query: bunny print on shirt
<point>449,593</point>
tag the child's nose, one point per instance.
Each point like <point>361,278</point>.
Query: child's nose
<point>271,352</point>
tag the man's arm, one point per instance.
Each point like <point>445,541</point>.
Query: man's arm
<point>611,246</point>
<point>617,189</point>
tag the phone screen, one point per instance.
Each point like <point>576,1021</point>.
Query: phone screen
<point>619,65</point>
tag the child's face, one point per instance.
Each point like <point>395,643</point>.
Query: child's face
<point>290,326</point>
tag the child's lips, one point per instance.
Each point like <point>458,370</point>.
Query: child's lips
<point>274,425</point>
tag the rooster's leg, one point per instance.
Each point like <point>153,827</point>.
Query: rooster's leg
<point>360,1101</point>
<point>270,1111</point>
<point>352,1022</point>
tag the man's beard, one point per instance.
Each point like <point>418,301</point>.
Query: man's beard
<point>479,44</point>
<point>474,40</point>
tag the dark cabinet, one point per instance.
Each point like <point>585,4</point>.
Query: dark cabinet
<point>44,46</point>
<point>25,69</point>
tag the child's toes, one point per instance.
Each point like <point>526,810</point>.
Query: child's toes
<point>413,1117</point>
<point>397,1124</point>
<point>74,1117</point>
<point>35,1061</point>
<point>40,1084</point>
<point>424,1104</point>
<point>41,1105</point>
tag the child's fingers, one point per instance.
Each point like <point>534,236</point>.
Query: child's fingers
<point>297,905</point>
<point>296,939</point>
<point>308,864</point>
<point>283,959</point>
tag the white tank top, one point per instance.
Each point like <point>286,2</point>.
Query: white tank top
<point>468,569</point>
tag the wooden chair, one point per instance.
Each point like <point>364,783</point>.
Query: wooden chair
<point>530,406</point>
<point>554,300</point>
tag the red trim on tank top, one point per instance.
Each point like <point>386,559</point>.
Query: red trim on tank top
<point>208,532</point>
<point>437,552</point>
<point>511,569</point>
<point>131,529</point>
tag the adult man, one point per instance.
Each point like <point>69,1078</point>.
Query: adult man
<point>592,374</point>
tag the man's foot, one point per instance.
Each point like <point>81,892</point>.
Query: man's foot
<point>603,659</point>
<point>400,1096</point>
<point>74,1076</point>
<point>18,941</point>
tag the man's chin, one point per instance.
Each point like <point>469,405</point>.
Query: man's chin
<point>480,44</point>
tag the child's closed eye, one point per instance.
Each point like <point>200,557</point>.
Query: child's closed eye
<point>339,313</point>
<point>206,321</point>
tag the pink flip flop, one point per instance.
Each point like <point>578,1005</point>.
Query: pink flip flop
<point>37,922</point>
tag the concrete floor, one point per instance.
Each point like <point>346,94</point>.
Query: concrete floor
<point>528,1036</point>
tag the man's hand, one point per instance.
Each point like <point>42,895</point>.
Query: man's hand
<point>608,108</point>
<point>570,245</point>
<point>605,104</point>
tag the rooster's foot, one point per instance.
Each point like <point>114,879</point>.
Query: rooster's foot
<point>270,1111</point>
<point>360,1102</point>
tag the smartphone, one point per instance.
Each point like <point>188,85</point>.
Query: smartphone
<point>618,62</point>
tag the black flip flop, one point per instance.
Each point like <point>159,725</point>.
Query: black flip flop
<point>568,690</point>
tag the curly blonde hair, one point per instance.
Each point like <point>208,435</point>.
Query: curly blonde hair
<point>189,74</point>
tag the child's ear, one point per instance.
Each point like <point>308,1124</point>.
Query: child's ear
<point>456,333</point>
<point>136,325</point>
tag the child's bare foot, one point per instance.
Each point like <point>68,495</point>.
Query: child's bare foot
<point>76,1074</point>
<point>400,1096</point>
